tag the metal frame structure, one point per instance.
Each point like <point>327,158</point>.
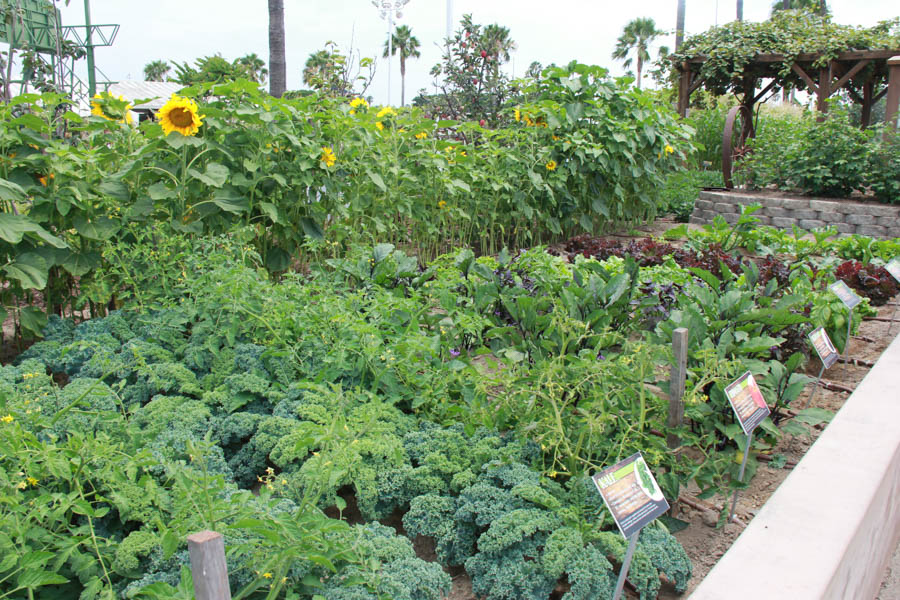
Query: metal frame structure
<point>40,28</point>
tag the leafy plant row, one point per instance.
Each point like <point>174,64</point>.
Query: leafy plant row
<point>314,175</point>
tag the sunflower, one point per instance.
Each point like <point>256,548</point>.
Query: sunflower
<point>551,165</point>
<point>111,108</point>
<point>421,136</point>
<point>181,115</point>
<point>387,111</point>
<point>328,156</point>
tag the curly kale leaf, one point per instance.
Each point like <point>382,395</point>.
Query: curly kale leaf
<point>641,573</point>
<point>667,555</point>
<point>433,516</point>
<point>590,576</point>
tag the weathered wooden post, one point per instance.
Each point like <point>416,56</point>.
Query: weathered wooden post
<point>676,385</point>
<point>208,568</point>
<point>893,95</point>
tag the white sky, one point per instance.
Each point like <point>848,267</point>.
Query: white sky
<point>586,30</point>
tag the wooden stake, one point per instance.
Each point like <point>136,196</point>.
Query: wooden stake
<point>676,385</point>
<point>208,567</point>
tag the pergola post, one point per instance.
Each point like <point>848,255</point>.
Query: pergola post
<point>684,89</point>
<point>865,117</point>
<point>893,93</point>
<point>824,91</point>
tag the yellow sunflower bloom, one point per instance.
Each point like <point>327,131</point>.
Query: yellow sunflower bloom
<point>551,165</point>
<point>669,149</point>
<point>328,156</point>
<point>421,136</point>
<point>379,125</point>
<point>7,419</point>
<point>111,108</point>
<point>31,481</point>
<point>181,115</point>
<point>442,204</point>
<point>517,114</point>
<point>357,102</point>
<point>385,112</point>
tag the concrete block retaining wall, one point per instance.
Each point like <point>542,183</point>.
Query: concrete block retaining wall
<point>865,218</point>
<point>831,527</point>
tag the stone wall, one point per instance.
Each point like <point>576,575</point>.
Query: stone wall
<point>865,218</point>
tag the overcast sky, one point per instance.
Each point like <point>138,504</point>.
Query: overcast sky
<point>560,31</point>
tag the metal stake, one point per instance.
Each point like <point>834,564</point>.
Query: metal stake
<point>849,325</point>
<point>893,316</point>
<point>815,387</point>
<point>623,573</point>
<point>741,475</point>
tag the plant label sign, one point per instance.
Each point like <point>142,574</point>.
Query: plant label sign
<point>631,494</point>
<point>843,291</point>
<point>824,348</point>
<point>893,268</point>
<point>747,401</point>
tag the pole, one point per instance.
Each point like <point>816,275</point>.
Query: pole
<point>893,317</point>
<point>626,562</point>
<point>449,18</point>
<point>390,49</point>
<point>741,475</point>
<point>89,47</point>
<point>815,387</point>
<point>849,324</point>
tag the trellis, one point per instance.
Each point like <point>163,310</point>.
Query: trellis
<point>875,72</point>
<point>866,75</point>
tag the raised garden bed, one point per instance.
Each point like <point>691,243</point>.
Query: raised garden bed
<point>784,211</point>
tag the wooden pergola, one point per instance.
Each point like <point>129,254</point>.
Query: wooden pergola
<point>867,75</point>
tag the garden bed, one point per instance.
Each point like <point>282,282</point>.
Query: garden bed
<point>706,544</point>
<point>785,211</point>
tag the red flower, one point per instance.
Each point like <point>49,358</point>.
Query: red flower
<point>483,53</point>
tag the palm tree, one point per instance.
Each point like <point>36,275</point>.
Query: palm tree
<point>497,43</point>
<point>408,45</point>
<point>254,67</point>
<point>156,70</point>
<point>277,62</point>
<point>316,69</point>
<point>637,35</point>
<point>816,6</point>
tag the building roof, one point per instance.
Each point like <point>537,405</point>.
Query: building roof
<point>158,92</point>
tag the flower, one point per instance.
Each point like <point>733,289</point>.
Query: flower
<point>43,181</point>
<point>31,481</point>
<point>181,115</point>
<point>328,156</point>
<point>267,575</point>
<point>669,149</point>
<point>7,419</point>
<point>385,112</point>
<point>379,125</point>
<point>551,165</point>
<point>111,108</point>
<point>517,114</point>
<point>421,136</point>
<point>21,485</point>
<point>357,102</point>
<point>442,204</point>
